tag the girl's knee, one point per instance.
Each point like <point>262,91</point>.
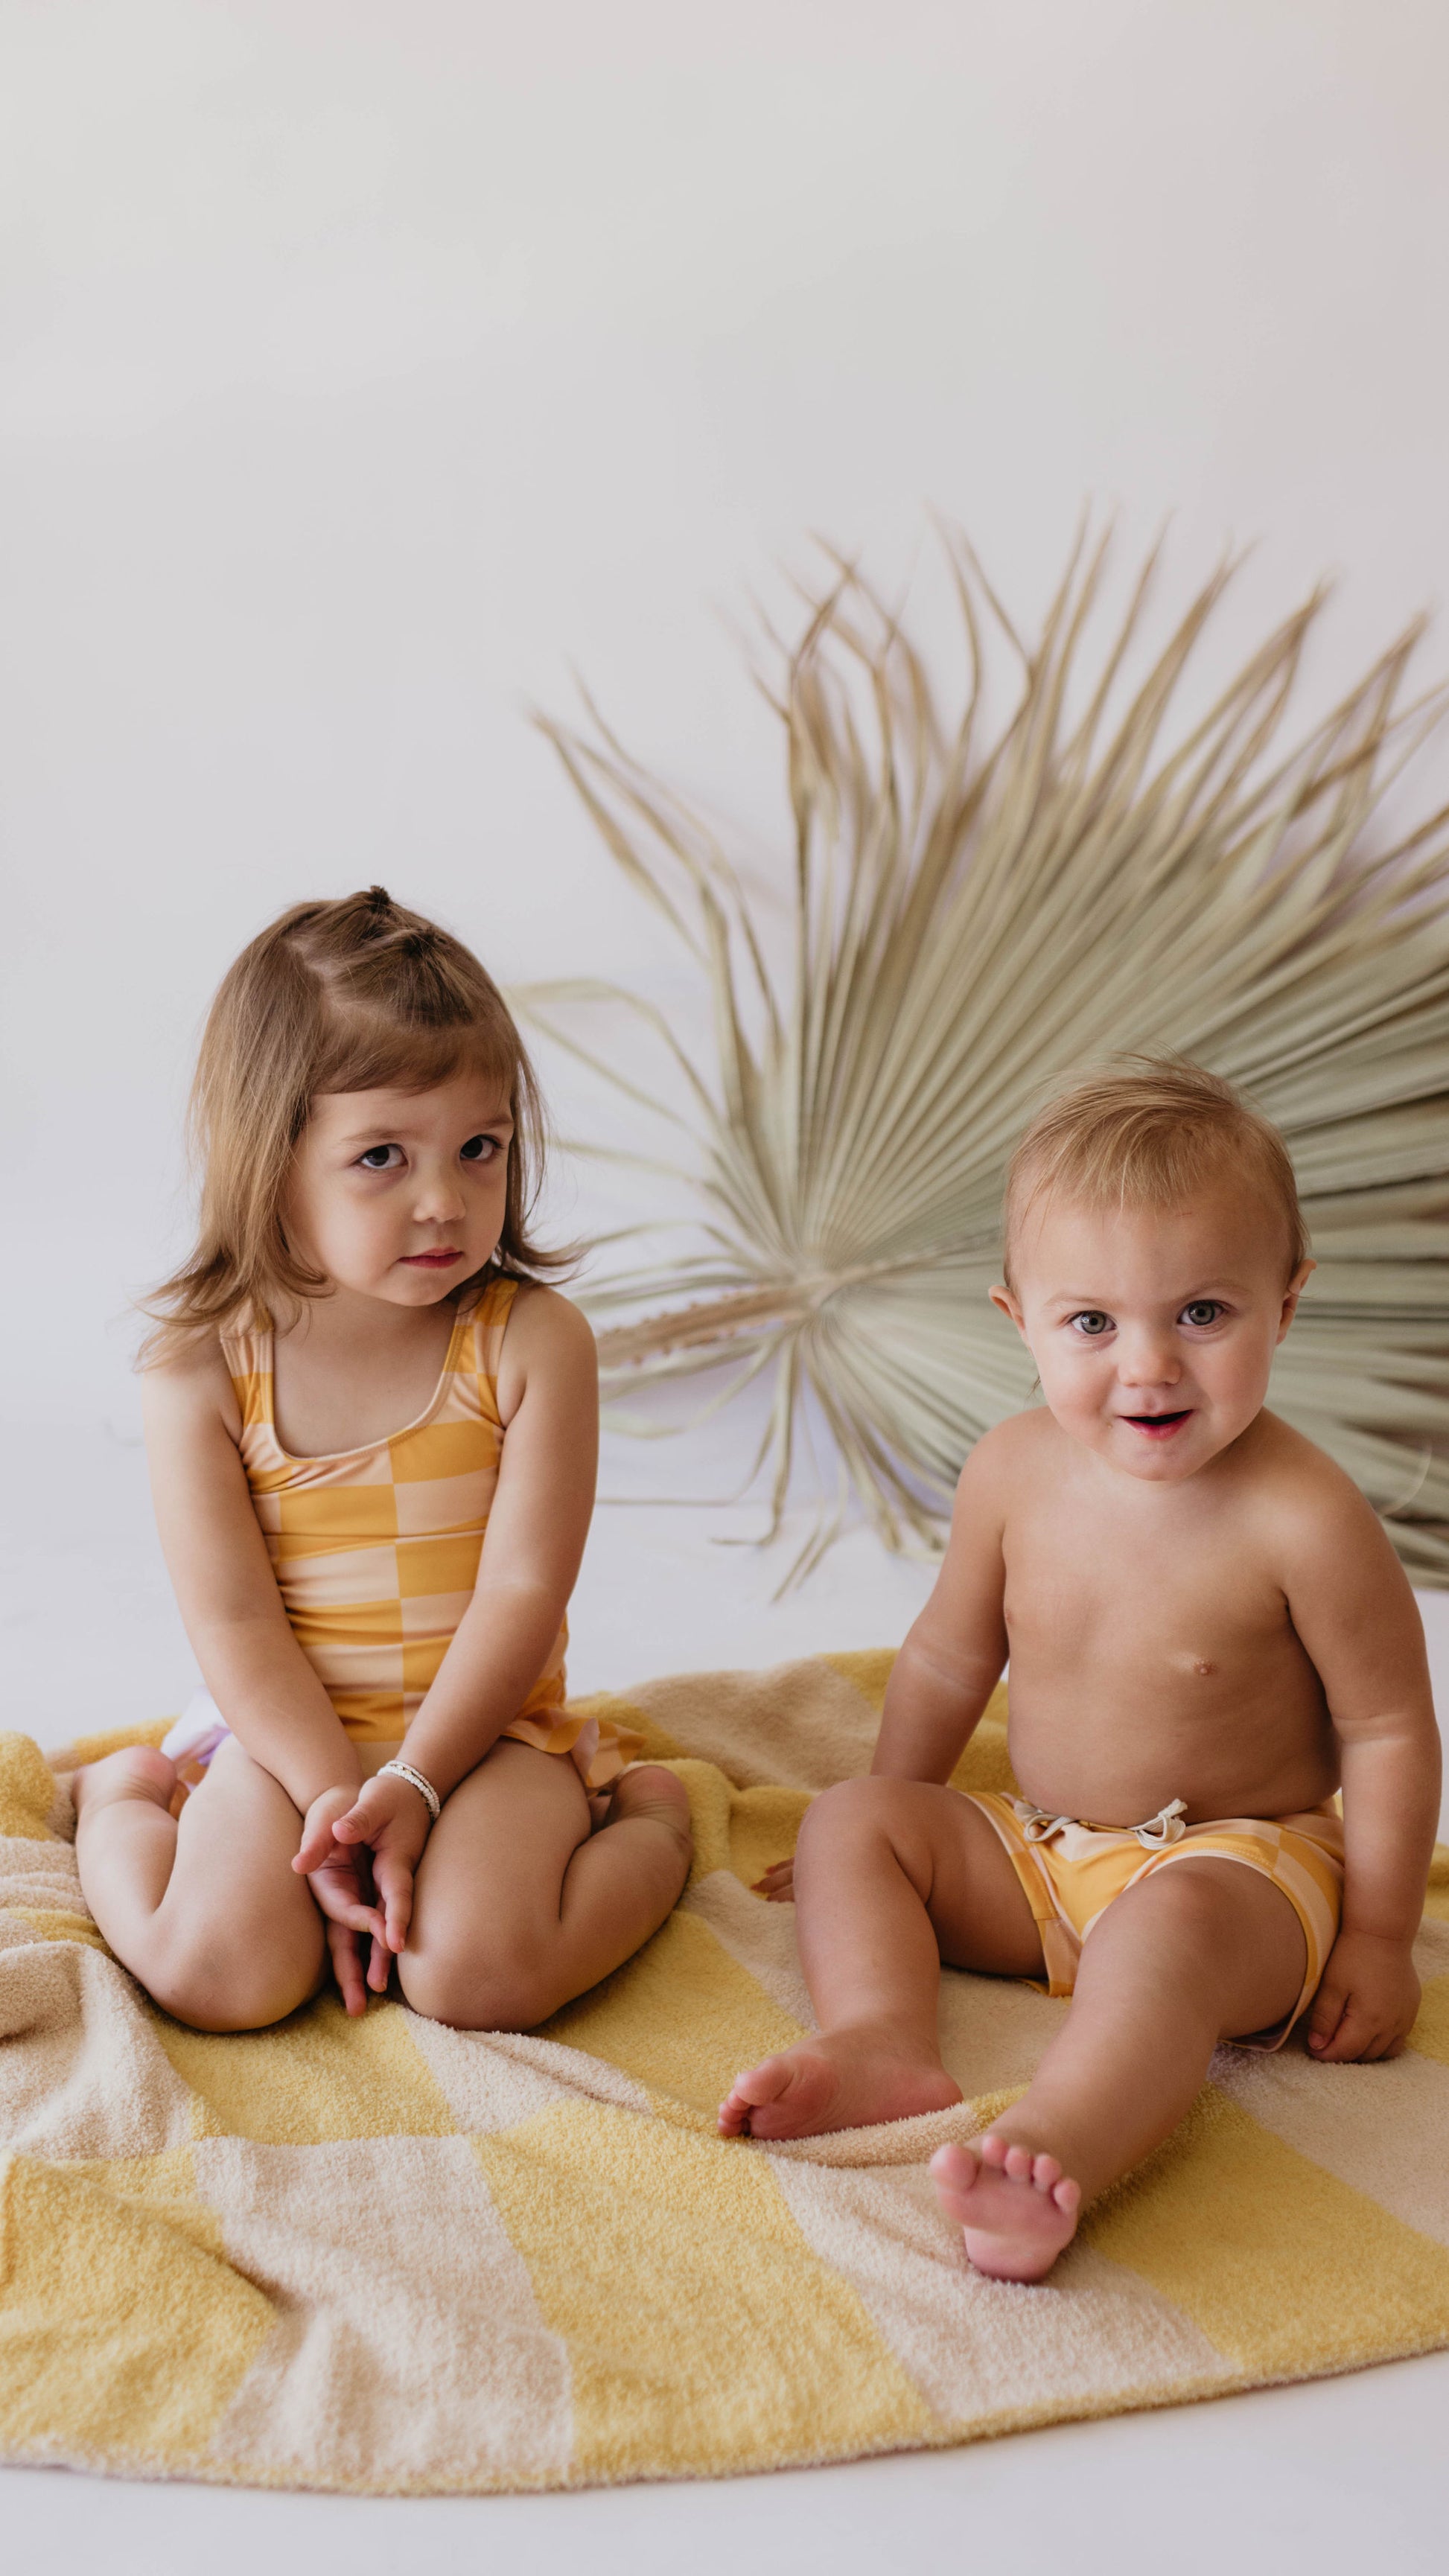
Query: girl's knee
<point>496,1994</point>
<point>214,1986</point>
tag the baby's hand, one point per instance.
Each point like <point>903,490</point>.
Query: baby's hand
<point>1366,2005</point>
<point>778,1884</point>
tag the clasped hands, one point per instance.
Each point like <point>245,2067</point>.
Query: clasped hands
<point>359,1851</point>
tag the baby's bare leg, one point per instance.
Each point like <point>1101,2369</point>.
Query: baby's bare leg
<point>1202,1951</point>
<point>208,1914</point>
<point>519,1907</point>
<point>891,1877</point>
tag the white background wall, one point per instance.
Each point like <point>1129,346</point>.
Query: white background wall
<point>361,366</point>
<point>364,366</point>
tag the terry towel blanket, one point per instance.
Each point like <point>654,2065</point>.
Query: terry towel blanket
<point>385,2256</point>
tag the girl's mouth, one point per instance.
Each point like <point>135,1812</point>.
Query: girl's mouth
<point>1157,1426</point>
<point>443,1260</point>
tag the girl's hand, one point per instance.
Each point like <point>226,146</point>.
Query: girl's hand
<point>1367,2002</point>
<point>391,1817</point>
<point>341,1881</point>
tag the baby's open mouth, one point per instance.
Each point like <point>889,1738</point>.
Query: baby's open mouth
<point>1157,1425</point>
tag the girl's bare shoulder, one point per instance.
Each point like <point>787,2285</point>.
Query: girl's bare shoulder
<point>187,1386</point>
<point>546,1334</point>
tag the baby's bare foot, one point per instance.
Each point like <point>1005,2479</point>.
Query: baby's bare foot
<point>137,1771</point>
<point>847,2081</point>
<point>1016,2209</point>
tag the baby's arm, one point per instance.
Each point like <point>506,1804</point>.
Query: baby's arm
<point>1350,1602</point>
<point>952,1658</point>
<point>539,1519</point>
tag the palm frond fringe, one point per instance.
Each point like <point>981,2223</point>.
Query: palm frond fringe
<point>973,920</point>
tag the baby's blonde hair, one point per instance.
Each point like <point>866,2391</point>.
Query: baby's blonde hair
<point>356,995</point>
<point>1150,1131</point>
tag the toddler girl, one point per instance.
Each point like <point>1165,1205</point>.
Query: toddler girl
<point>372,1432</point>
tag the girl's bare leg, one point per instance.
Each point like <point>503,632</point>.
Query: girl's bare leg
<point>1202,1951</point>
<point>891,1877</point>
<point>519,1906</point>
<point>208,1914</point>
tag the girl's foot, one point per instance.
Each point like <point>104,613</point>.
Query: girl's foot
<point>1016,2209</point>
<point>138,1771</point>
<point>650,1793</point>
<point>851,2080</point>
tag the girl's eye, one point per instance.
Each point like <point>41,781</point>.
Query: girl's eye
<point>1093,1323</point>
<point>1203,1310</point>
<point>479,1149</point>
<point>376,1158</point>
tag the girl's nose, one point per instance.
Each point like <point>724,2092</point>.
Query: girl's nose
<point>438,1200</point>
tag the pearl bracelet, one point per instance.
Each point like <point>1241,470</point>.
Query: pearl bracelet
<point>415,1780</point>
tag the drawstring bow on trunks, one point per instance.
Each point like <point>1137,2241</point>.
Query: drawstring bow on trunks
<point>1160,1830</point>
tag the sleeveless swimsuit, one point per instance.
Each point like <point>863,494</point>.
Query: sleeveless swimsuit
<point>376,1552</point>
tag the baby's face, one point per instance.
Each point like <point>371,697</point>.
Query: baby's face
<point>1153,1329</point>
<point>401,1194</point>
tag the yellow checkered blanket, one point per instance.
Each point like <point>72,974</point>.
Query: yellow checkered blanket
<point>382,2256</point>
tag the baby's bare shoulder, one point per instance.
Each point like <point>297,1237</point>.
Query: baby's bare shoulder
<point>1008,1461</point>
<point>1300,1498</point>
<point>1019,1446</point>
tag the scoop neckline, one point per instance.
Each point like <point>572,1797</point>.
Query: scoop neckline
<point>334,1457</point>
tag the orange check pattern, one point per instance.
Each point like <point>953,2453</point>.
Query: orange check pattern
<point>376,1551</point>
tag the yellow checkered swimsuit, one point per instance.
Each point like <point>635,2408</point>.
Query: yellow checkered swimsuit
<point>376,1550</point>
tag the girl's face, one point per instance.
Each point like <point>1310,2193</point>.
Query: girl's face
<point>1153,1329</point>
<point>400,1194</point>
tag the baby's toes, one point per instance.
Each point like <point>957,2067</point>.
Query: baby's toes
<point>1018,2163</point>
<point>954,2171</point>
<point>992,2150</point>
<point>1067,2195</point>
<point>1046,2173</point>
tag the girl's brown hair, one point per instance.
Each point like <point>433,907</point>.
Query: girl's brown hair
<point>347,996</point>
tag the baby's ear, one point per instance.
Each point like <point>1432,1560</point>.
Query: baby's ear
<point>1293,1292</point>
<point>1005,1304</point>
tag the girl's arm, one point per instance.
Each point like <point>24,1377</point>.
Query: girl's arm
<point>548,1392</point>
<point>548,1396</point>
<point>217,1558</point>
<point>952,1658</point>
<point>1351,1605</point>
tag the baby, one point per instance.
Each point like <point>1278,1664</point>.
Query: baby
<point>1208,1631</point>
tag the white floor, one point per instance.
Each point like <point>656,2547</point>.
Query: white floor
<point>1325,2477</point>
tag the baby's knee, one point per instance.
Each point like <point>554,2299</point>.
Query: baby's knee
<point>852,1810</point>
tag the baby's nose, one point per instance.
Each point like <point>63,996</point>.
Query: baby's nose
<point>1147,1359</point>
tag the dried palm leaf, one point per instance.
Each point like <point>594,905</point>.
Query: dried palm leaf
<point>973,920</point>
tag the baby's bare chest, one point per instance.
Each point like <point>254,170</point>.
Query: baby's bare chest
<point>1195,1606</point>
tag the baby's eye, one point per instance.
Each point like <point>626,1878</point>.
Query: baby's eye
<point>1092,1322</point>
<point>376,1158</point>
<point>479,1149</point>
<point>1203,1310</point>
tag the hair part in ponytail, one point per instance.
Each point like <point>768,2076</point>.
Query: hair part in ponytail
<point>356,995</point>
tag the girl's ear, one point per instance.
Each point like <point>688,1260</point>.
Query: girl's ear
<point>1292,1293</point>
